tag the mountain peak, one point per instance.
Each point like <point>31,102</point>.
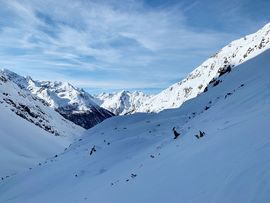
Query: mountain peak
<point>68,100</point>
<point>123,102</point>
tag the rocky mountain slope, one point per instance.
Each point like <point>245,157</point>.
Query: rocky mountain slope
<point>135,158</point>
<point>122,103</point>
<point>30,130</point>
<point>33,109</point>
<point>195,83</point>
<point>72,103</point>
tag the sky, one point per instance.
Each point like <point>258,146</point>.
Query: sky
<point>110,45</point>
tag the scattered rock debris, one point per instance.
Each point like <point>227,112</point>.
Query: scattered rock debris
<point>200,135</point>
<point>93,150</point>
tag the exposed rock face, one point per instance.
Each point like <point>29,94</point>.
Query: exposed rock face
<point>33,109</point>
<point>87,118</point>
<point>74,104</point>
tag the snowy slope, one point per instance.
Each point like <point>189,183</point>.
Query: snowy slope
<point>29,130</point>
<point>137,159</point>
<point>122,103</point>
<point>23,144</point>
<point>29,107</point>
<point>72,103</point>
<point>195,83</point>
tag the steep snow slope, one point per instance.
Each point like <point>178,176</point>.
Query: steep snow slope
<point>122,103</point>
<point>195,83</point>
<point>23,144</point>
<point>137,160</point>
<point>31,108</point>
<point>72,103</point>
<point>29,130</point>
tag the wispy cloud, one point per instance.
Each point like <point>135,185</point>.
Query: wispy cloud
<point>120,40</point>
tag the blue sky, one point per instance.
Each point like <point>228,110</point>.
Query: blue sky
<point>109,45</point>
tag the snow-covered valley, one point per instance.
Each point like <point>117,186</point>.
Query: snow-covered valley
<point>204,139</point>
<point>134,158</point>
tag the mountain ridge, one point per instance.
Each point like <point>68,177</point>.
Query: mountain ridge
<point>31,131</point>
<point>230,56</point>
<point>196,82</point>
<point>72,103</point>
<point>135,158</point>
<point>123,102</point>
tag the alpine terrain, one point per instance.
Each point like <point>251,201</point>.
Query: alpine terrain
<point>72,103</point>
<point>122,103</point>
<point>196,82</point>
<point>30,130</point>
<point>220,154</point>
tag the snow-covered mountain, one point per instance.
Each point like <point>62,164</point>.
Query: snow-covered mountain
<point>33,109</point>
<point>195,83</point>
<point>122,103</point>
<point>135,159</point>
<point>30,130</point>
<point>74,104</point>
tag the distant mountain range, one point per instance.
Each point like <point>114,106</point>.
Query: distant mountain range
<point>72,103</point>
<point>122,103</point>
<point>23,103</point>
<point>86,110</point>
